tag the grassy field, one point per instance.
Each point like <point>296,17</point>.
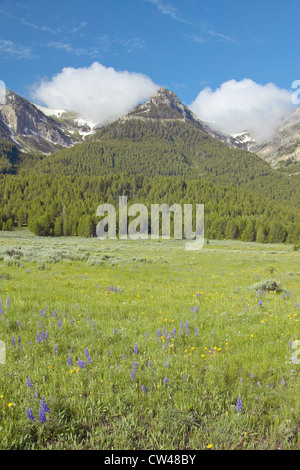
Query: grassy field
<point>144,345</point>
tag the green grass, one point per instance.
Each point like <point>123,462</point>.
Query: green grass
<point>242,348</point>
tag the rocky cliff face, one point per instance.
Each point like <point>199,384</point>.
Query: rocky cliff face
<point>285,145</point>
<point>32,130</point>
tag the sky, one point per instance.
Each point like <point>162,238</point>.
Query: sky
<point>233,62</point>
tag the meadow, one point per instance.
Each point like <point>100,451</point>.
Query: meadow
<point>144,345</point>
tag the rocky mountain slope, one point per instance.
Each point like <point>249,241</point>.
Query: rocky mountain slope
<point>38,130</point>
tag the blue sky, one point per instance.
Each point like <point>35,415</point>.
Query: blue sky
<point>183,45</point>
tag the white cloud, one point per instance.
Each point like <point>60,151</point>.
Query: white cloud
<point>98,94</point>
<point>241,106</point>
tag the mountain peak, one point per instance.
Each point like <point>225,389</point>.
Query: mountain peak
<point>164,105</point>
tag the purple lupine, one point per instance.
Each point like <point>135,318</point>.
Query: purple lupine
<point>134,365</point>
<point>80,363</point>
<point>260,303</point>
<point>19,324</point>
<point>136,348</point>
<point>166,380</point>
<point>42,416</point>
<point>38,338</point>
<point>69,361</point>
<point>29,383</point>
<point>19,339</point>
<point>7,302</point>
<point>89,360</point>
<point>132,374</point>
<point>109,352</point>
<point>239,404</point>
<point>282,381</point>
<point>196,331</point>
<point>144,388</point>
<point>44,406</point>
<point>13,340</point>
<point>146,335</point>
<point>87,352</point>
<point>36,395</point>
<point>30,414</point>
<point>158,333</point>
<point>174,332</point>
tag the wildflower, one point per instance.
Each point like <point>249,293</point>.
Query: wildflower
<point>13,340</point>
<point>80,363</point>
<point>87,352</point>
<point>134,365</point>
<point>44,407</point>
<point>158,333</point>
<point>36,393</point>
<point>196,331</point>
<point>30,414</point>
<point>136,348</point>
<point>239,404</point>
<point>166,380</point>
<point>147,335</point>
<point>19,324</point>
<point>7,302</point>
<point>132,374</point>
<point>69,361</point>
<point>282,381</point>
<point>115,330</point>
<point>144,388</point>
<point>29,383</point>
<point>42,416</point>
<point>89,360</point>
<point>108,352</point>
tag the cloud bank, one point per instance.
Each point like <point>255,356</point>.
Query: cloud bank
<point>98,94</point>
<point>239,106</point>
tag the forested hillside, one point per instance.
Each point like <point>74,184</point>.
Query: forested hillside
<point>151,161</point>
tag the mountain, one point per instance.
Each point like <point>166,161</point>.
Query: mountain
<point>282,150</point>
<point>159,152</point>
<point>36,129</point>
